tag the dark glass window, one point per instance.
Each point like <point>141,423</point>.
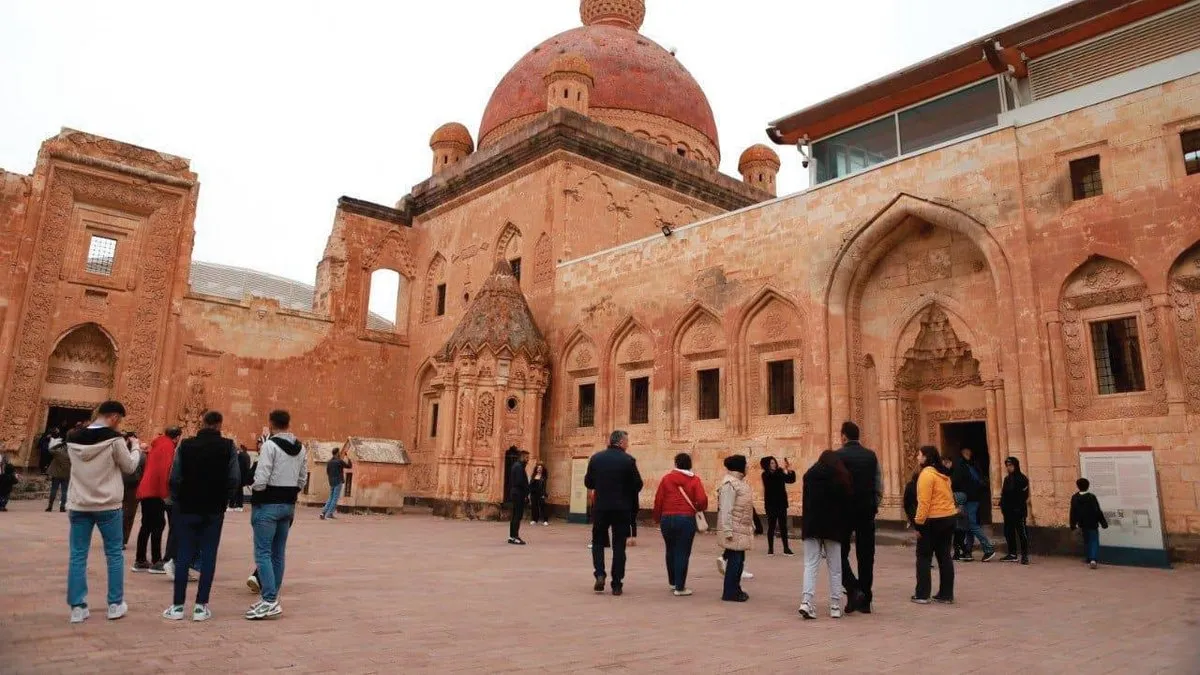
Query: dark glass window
<point>639,400</point>
<point>1118,356</point>
<point>781,393</point>
<point>441,299</point>
<point>1191,150</point>
<point>945,119</point>
<point>856,149</point>
<point>1085,178</point>
<point>587,405</point>
<point>433,420</point>
<point>709,384</point>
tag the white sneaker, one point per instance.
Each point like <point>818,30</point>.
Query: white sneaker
<point>835,611</point>
<point>533,522</point>
<point>747,575</point>
<point>721,565</point>
<point>253,585</point>
<point>117,611</point>
<point>239,509</point>
<point>79,614</point>
<point>169,568</point>
<point>545,523</point>
<point>263,610</point>
<point>200,613</point>
<point>684,593</point>
<point>807,611</point>
<point>173,613</point>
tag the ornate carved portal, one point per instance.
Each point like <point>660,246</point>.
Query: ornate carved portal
<point>938,359</point>
<point>1185,287</point>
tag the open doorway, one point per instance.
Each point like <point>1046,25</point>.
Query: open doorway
<point>65,418</point>
<point>973,435</point>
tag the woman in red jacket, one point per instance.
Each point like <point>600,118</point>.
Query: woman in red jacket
<point>679,498</point>
<point>152,494</point>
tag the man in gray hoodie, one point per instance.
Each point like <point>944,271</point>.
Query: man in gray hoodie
<point>280,477</point>
<point>99,456</point>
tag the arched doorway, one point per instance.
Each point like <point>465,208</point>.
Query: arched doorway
<point>80,375</point>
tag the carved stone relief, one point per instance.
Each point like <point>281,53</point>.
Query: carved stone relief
<point>543,262</point>
<point>485,420</point>
<point>938,359</point>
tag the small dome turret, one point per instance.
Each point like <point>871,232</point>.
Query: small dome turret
<point>451,144</point>
<point>569,83</point>
<point>759,165</point>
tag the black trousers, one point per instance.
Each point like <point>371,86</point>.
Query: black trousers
<point>777,518</point>
<point>862,527</point>
<point>537,504</point>
<point>154,521</point>
<point>237,499</point>
<point>633,515</point>
<point>129,507</point>
<point>936,537</point>
<point>1016,535</point>
<point>618,523</point>
<point>518,512</point>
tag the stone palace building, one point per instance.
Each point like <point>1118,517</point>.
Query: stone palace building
<point>1000,249</point>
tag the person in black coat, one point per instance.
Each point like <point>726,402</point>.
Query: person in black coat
<point>866,480</point>
<point>538,490</point>
<point>1014,506</point>
<point>518,492</point>
<point>775,500</point>
<point>613,477</point>
<point>968,480</point>
<point>1087,515</point>
<point>827,492</point>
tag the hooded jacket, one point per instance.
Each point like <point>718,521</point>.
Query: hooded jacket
<point>99,456</point>
<point>735,513</point>
<point>669,501</point>
<point>934,497</point>
<point>775,496</point>
<point>157,474</point>
<point>967,479</point>
<point>1014,493</point>
<point>60,461</point>
<point>826,501</point>
<point>282,471</point>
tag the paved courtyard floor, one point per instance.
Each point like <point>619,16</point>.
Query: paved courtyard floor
<point>417,594</point>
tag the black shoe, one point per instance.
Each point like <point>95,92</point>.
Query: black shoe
<point>855,602</point>
<point>49,509</point>
<point>788,552</point>
<point>740,597</point>
<point>1025,560</point>
<point>62,509</point>
<point>617,589</point>
<point>864,608</point>
<point>599,585</point>
<point>1009,558</point>
<point>967,558</point>
<point>988,555</point>
<point>770,552</point>
<point>942,600</point>
<point>920,601</point>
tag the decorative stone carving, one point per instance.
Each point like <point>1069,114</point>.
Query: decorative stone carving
<point>510,238</point>
<point>391,252</point>
<point>909,436</point>
<point>1103,277</point>
<point>196,402</point>
<point>938,359</point>
<point>83,378</point>
<point>435,275</point>
<point>485,418</point>
<point>1183,302</point>
<point>704,335</point>
<point>583,358</point>
<point>481,478</point>
<point>543,262</point>
<point>636,349</point>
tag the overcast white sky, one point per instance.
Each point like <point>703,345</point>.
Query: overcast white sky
<point>283,107</point>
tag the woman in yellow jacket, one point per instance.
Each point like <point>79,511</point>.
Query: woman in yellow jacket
<point>934,521</point>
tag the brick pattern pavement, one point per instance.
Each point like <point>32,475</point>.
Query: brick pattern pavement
<point>417,594</point>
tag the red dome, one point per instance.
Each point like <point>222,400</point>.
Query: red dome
<point>631,72</point>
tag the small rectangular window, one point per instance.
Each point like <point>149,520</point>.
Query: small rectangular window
<point>781,393</point>
<point>856,149</point>
<point>639,400</point>
<point>1085,178</point>
<point>709,384</point>
<point>516,268</point>
<point>1191,150</point>
<point>433,420</point>
<point>441,300</point>
<point>102,252</point>
<point>349,488</point>
<point>1118,356</point>
<point>587,405</point>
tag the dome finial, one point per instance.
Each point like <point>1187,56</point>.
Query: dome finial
<point>623,13</point>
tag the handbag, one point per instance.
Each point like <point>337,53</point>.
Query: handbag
<point>701,521</point>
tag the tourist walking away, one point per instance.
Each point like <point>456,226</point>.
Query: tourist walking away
<point>238,501</point>
<point>538,490</point>
<point>613,476</point>
<point>775,481</point>
<point>129,501</point>
<point>826,501</point>
<point>59,472</point>
<point>635,507</point>
<point>934,521</point>
<point>281,474</point>
<point>99,457</point>
<point>335,469</point>
<point>678,503</point>
<point>1014,506</point>
<point>518,492</point>
<point>735,525</point>
<point>1087,515</point>
<point>8,480</point>
<point>203,475</point>
<point>969,480</point>
<point>867,491</point>
<point>152,493</point>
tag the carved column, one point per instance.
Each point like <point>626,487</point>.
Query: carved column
<point>994,450</point>
<point>1058,373</point>
<point>1176,396</point>
<point>890,424</point>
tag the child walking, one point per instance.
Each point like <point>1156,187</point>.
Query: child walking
<point>1087,515</point>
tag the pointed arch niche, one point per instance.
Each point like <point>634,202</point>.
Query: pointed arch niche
<point>580,394</point>
<point>771,359</point>
<point>631,362</point>
<point>80,373</point>
<point>435,299</point>
<point>1185,298</point>
<point>508,248</point>
<point>700,374</point>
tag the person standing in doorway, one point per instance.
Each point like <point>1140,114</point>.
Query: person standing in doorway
<point>678,501</point>
<point>735,525</point>
<point>1014,506</point>
<point>968,480</point>
<point>59,472</point>
<point>538,489</point>
<point>152,494</point>
<point>335,469</point>
<point>281,475</point>
<point>129,503</point>
<point>1087,515</point>
<point>822,523</point>
<point>518,492</point>
<point>934,521</point>
<point>775,499</point>
<point>99,457</point>
<point>867,481</point>
<point>204,473</point>
<point>614,477</point>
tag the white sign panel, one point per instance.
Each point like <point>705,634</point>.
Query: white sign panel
<point>1124,481</point>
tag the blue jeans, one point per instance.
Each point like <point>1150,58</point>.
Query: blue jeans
<point>1091,544</point>
<point>734,564</point>
<point>678,533</point>
<point>197,540</point>
<point>271,523</point>
<point>974,531</point>
<point>335,491</point>
<point>109,523</point>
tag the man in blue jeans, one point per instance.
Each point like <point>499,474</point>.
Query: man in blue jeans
<point>967,479</point>
<point>280,477</point>
<point>335,468</point>
<point>99,456</point>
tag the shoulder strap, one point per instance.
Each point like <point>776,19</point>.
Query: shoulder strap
<point>687,498</point>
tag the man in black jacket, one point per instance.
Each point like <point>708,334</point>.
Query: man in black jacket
<point>867,481</point>
<point>969,480</point>
<point>613,476</point>
<point>518,492</point>
<point>1014,506</point>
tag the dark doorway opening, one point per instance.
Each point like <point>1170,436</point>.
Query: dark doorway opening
<point>511,456</point>
<point>65,418</point>
<point>973,435</point>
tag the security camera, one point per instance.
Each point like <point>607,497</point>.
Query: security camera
<point>805,148</point>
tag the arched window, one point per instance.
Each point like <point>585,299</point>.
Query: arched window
<point>387,301</point>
